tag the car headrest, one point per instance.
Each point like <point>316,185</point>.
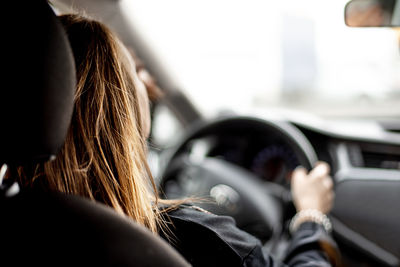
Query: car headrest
<point>38,83</point>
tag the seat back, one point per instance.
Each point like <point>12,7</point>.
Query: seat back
<point>53,229</point>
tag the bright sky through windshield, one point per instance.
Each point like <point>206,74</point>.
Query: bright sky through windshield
<point>231,54</point>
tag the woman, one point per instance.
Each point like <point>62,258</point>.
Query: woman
<point>104,159</point>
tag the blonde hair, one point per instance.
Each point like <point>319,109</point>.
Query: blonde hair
<point>104,155</point>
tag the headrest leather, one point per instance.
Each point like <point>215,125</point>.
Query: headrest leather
<point>37,83</point>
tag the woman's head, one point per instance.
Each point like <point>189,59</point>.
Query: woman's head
<point>103,62</point>
<point>104,157</point>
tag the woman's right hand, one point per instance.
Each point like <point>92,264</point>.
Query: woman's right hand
<point>313,190</point>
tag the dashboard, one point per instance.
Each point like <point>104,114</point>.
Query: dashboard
<point>365,164</point>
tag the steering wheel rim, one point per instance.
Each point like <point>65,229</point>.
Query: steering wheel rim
<point>307,155</point>
<point>290,134</point>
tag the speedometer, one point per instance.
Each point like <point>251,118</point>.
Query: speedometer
<point>275,163</point>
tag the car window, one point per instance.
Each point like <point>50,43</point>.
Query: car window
<point>300,55</point>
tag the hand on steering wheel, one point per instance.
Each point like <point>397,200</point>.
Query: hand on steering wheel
<point>313,190</point>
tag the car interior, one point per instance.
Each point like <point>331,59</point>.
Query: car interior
<point>55,229</point>
<point>241,160</point>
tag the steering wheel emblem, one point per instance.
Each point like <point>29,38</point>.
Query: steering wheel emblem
<point>225,196</point>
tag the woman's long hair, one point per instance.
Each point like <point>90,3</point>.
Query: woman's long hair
<point>104,155</point>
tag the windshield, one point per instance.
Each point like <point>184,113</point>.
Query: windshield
<point>290,54</point>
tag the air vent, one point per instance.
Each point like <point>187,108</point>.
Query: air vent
<point>380,160</point>
<point>374,156</point>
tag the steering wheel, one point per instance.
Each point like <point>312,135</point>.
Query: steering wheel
<point>257,206</point>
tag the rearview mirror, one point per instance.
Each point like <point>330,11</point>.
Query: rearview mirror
<point>372,13</point>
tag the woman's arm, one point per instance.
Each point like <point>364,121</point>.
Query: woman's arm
<point>313,198</point>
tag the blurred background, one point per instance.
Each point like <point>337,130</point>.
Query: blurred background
<point>295,55</point>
